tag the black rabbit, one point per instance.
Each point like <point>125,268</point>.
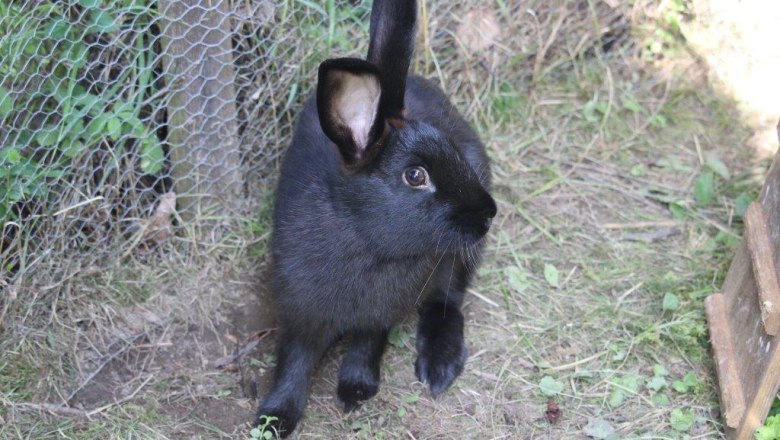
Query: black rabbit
<point>381,208</point>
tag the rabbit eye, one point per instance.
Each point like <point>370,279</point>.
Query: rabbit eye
<point>416,177</point>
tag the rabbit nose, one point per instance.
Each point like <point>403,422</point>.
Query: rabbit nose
<point>484,208</point>
<point>479,216</point>
<point>489,209</point>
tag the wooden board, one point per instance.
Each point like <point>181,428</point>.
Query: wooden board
<point>744,320</point>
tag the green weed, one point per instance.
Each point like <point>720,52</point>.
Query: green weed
<point>71,120</point>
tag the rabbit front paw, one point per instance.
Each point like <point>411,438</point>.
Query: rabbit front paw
<point>439,371</point>
<point>440,347</point>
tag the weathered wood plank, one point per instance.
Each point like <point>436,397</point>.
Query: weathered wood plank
<point>749,310</point>
<point>763,261</point>
<point>731,398</point>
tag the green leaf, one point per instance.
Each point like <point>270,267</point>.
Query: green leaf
<point>57,29</point>
<point>629,103</point>
<point>659,370</point>
<point>102,21</point>
<point>660,399</point>
<point>671,302</point>
<point>681,421</point>
<point>741,204</point>
<point>401,412</point>
<point>152,155</point>
<point>689,382</point>
<point>518,278</point>
<point>551,275</point>
<point>87,101</point>
<point>255,433</point>
<point>631,382</point>
<point>678,210</point>
<point>53,173</point>
<point>412,398</point>
<point>658,121</point>
<point>770,430</point>
<point>590,112</point>
<point>72,148</point>
<point>47,136</point>
<point>656,383</point>
<point>599,429</point>
<point>15,193</point>
<point>616,398</point>
<point>550,386</point>
<point>704,188</point>
<point>727,240</point>
<point>6,103</point>
<point>114,128</point>
<point>637,170</point>
<point>718,167</point>
<point>76,55</point>
<point>96,125</point>
<point>12,156</point>
<point>397,337</point>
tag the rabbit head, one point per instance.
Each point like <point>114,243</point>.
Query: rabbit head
<point>408,186</point>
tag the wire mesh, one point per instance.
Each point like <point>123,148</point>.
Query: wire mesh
<point>122,120</point>
<point>114,111</point>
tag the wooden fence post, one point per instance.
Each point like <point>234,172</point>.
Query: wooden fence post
<point>202,128</point>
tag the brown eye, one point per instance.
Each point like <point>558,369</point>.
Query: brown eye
<point>415,176</point>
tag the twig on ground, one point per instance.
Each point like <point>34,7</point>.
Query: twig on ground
<point>106,360</point>
<point>74,412</point>
<point>650,236</point>
<point>633,289</point>
<point>120,401</point>
<point>629,390</point>
<point>578,363</point>
<point>483,297</point>
<point>250,343</point>
<point>55,409</point>
<point>641,225</point>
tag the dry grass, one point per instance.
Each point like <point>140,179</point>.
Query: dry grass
<point>596,156</point>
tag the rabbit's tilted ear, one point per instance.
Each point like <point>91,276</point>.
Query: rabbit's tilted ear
<point>348,95</point>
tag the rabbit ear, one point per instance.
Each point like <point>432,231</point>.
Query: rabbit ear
<point>348,96</point>
<point>393,25</point>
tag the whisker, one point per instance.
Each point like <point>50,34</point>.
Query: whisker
<point>436,266</point>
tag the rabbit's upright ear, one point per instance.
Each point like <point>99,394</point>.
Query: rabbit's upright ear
<point>393,26</point>
<point>348,96</point>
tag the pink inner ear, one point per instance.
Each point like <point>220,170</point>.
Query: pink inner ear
<point>357,106</point>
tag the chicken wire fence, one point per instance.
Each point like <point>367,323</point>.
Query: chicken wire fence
<point>123,122</point>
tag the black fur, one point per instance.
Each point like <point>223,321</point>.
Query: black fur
<point>392,31</point>
<point>356,250</point>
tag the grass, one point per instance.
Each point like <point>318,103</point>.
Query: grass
<point>590,298</point>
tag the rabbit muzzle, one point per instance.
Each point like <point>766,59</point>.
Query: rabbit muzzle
<point>474,219</point>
